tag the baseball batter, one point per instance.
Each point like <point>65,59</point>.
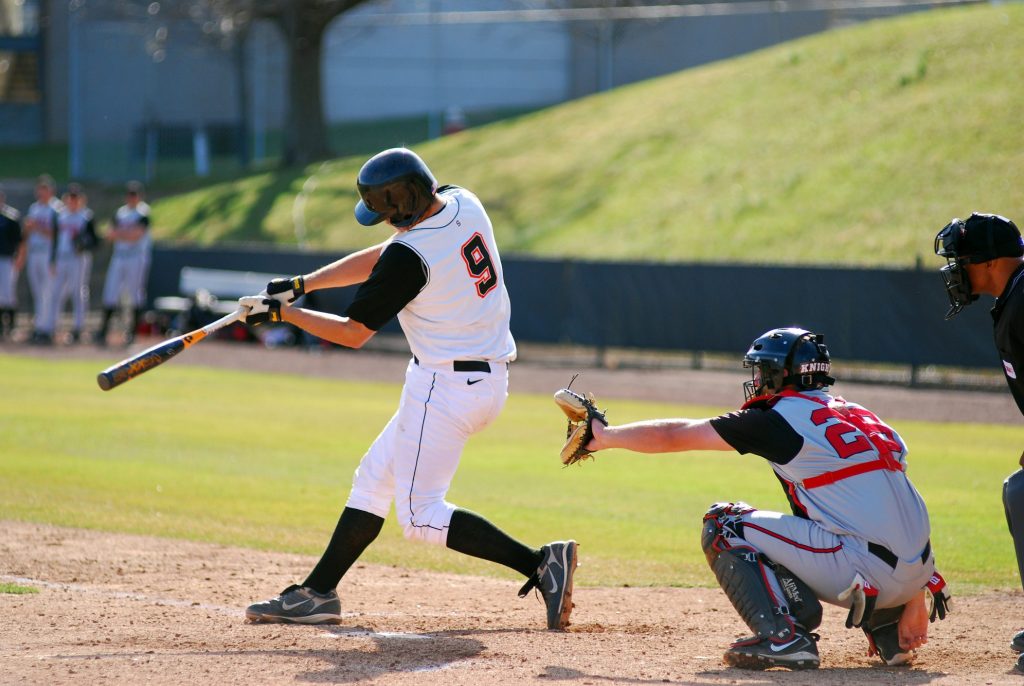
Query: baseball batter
<point>441,274</point>
<point>129,262</point>
<point>11,254</point>
<point>40,227</point>
<point>71,260</point>
<point>859,533</point>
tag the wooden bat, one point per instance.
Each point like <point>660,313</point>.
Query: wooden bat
<point>129,368</point>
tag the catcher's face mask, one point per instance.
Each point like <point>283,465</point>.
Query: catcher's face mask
<point>954,274</point>
<point>761,373</point>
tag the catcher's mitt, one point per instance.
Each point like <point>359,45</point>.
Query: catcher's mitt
<point>580,410</point>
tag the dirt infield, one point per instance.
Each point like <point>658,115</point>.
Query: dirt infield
<point>117,609</point>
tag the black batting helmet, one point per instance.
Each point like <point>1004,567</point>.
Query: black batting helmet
<point>787,357</point>
<point>394,185</point>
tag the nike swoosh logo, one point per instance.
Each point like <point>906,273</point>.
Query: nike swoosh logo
<point>778,648</point>
<point>317,602</point>
<point>548,574</point>
<point>286,606</point>
<point>470,382</point>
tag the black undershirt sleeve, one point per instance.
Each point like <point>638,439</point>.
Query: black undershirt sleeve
<point>763,432</point>
<point>398,277</point>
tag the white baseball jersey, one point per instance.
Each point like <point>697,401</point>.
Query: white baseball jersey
<point>463,311</point>
<point>69,226</point>
<point>127,218</point>
<point>45,214</point>
<point>443,279</point>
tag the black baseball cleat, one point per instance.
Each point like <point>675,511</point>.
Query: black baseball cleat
<point>799,653</point>
<point>886,642</point>
<point>1017,644</point>
<point>297,605</point>
<point>1019,667</point>
<point>554,581</point>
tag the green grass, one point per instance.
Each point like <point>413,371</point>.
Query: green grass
<point>16,589</point>
<point>218,456</point>
<point>854,147</point>
<point>29,161</point>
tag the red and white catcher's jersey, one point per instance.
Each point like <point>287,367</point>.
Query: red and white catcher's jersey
<point>463,311</point>
<point>850,474</point>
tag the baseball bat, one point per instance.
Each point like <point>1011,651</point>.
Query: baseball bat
<point>127,369</point>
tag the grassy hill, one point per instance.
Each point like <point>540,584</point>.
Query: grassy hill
<point>854,146</point>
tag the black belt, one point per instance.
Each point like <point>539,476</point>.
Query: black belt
<point>889,557</point>
<point>466,365</point>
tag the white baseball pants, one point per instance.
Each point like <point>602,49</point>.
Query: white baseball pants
<point>37,267</point>
<point>70,280</point>
<point>8,283</point>
<point>413,460</point>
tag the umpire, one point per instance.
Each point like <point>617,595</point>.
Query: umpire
<point>985,254</point>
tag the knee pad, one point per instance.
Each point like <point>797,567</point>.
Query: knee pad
<point>428,521</point>
<point>722,521</point>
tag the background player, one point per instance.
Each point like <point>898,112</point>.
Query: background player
<point>40,226</point>
<point>985,254</point>
<point>71,260</point>
<point>129,262</point>
<point>441,274</point>
<point>11,256</point>
<point>858,536</point>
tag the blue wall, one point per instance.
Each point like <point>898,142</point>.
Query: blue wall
<point>870,315</point>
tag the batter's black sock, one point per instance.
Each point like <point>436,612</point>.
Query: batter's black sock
<point>471,534</point>
<point>356,529</point>
<point>136,318</point>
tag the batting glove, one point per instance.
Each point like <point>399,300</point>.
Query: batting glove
<point>862,596</point>
<point>286,290</point>
<point>942,599</point>
<point>261,309</point>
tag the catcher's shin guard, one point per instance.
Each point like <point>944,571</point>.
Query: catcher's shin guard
<point>744,574</point>
<point>1013,504</point>
<point>803,604</point>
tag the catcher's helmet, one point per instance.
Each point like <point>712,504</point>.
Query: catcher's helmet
<point>394,185</point>
<point>977,239</point>
<point>786,357</point>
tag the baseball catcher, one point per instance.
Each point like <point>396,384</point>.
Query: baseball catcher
<point>859,533</point>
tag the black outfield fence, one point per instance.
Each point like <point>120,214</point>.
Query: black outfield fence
<point>868,315</point>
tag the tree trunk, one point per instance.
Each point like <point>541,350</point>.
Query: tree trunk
<point>244,106</point>
<point>305,132</point>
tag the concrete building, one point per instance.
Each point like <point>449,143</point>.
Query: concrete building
<point>125,81</point>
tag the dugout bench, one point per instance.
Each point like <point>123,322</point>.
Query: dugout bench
<point>205,295</point>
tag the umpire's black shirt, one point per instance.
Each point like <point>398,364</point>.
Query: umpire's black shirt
<point>1008,319</point>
